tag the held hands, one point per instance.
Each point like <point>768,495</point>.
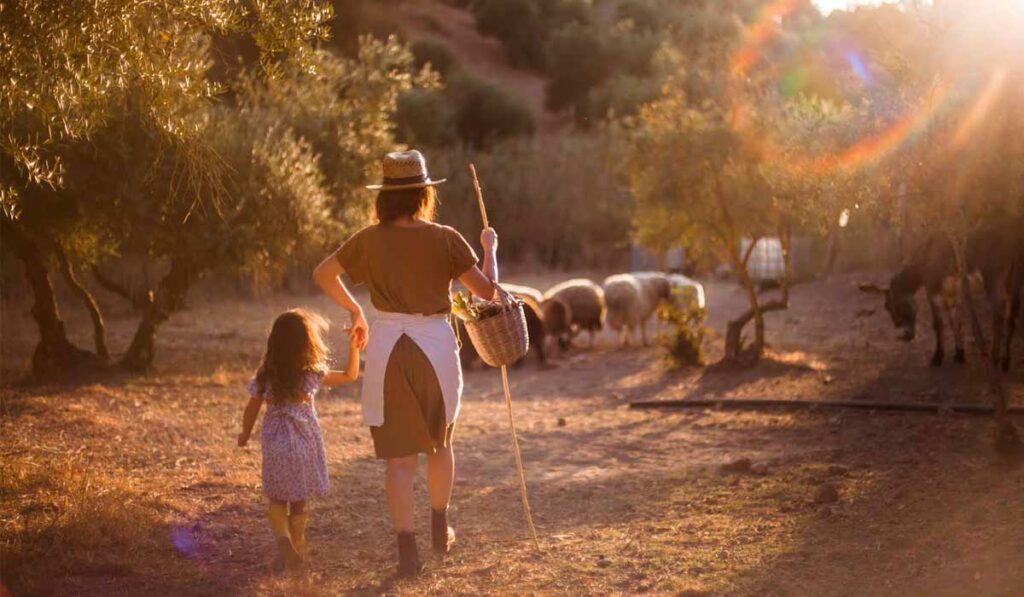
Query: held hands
<point>359,331</point>
<point>354,340</point>
<point>489,240</point>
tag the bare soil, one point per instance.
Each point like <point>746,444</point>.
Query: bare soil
<point>132,485</point>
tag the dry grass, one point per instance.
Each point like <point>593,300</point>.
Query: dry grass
<point>64,520</point>
<point>132,485</point>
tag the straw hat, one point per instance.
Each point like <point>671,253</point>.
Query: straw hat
<point>405,170</point>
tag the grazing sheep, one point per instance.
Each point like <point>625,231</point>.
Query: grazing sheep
<point>525,292</point>
<point>658,290</point>
<point>679,283</point>
<point>627,303</point>
<point>557,319</point>
<point>586,307</point>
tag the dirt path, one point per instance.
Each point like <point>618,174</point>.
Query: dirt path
<point>138,482</point>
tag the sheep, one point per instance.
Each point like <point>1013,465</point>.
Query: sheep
<point>657,290</point>
<point>557,319</point>
<point>679,285</point>
<point>525,292</point>
<point>626,303</point>
<point>586,308</point>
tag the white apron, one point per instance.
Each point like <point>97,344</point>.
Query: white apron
<point>434,336</point>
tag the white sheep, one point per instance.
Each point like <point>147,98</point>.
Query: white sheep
<point>679,285</point>
<point>627,304</point>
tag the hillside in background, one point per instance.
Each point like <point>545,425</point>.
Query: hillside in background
<point>476,54</point>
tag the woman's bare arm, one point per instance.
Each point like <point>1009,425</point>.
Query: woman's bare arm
<point>481,283</point>
<point>327,276</point>
<point>477,283</point>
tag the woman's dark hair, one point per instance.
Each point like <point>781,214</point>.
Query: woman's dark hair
<point>295,347</point>
<point>392,205</point>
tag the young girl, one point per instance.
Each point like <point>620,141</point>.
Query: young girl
<point>294,466</point>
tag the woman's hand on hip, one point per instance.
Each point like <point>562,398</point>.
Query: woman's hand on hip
<point>359,331</point>
<point>489,240</point>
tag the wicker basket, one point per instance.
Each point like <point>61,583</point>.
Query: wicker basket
<point>501,339</point>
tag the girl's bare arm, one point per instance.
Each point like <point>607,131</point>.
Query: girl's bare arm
<point>252,410</point>
<point>351,372</point>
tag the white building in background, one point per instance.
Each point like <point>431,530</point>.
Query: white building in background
<point>766,261</point>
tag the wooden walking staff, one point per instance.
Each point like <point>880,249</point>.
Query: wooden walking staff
<point>508,393</point>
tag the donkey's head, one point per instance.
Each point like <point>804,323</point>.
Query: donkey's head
<point>900,304</point>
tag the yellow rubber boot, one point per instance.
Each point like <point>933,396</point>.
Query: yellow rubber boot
<point>277,514</point>
<point>297,526</point>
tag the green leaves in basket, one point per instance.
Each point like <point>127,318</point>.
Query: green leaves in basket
<point>462,307</point>
<point>465,309</point>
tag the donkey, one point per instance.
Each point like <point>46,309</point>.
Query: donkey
<point>995,252</point>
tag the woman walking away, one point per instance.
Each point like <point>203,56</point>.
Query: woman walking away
<point>413,383</point>
<point>294,466</point>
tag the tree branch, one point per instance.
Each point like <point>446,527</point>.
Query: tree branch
<point>99,330</point>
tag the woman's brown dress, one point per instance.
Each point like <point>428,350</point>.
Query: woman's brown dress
<point>409,270</point>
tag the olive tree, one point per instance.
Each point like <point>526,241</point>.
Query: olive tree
<point>115,141</point>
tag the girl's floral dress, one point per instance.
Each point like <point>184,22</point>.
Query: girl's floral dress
<point>294,462</point>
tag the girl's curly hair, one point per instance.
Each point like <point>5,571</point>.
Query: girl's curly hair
<point>295,347</point>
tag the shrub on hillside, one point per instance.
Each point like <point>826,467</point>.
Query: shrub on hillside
<point>622,95</point>
<point>485,113</point>
<point>556,200</point>
<point>632,52</point>
<point>519,26</point>
<point>524,25</point>
<point>578,60</point>
<point>436,54</point>
<point>425,118</point>
<point>644,15</point>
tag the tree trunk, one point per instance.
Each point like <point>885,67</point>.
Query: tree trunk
<point>55,354</point>
<point>169,297</point>
<point>99,330</point>
<point>733,345</point>
<point>733,335</point>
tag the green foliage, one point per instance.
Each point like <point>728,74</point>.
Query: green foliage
<point>578,59</point>
<point>523,26</point>
<point>684,341</point>
<point>644,15</point>
<point>115,143</point>
<point>518,24</point>
<point>435,54</point>
<point>556,201</point>
<point>68,65</point>
<point>343,108</point>
<point>281,213</point>
<point>425,118</point>
<point>485,113</point>
<point>622,95</point>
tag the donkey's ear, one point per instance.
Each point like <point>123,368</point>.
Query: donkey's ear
<point>871,288</point>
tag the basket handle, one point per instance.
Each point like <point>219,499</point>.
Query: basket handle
<point>504,297</point>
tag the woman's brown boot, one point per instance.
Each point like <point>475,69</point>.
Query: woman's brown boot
<point>408,556</point>
<point>442,536</point>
